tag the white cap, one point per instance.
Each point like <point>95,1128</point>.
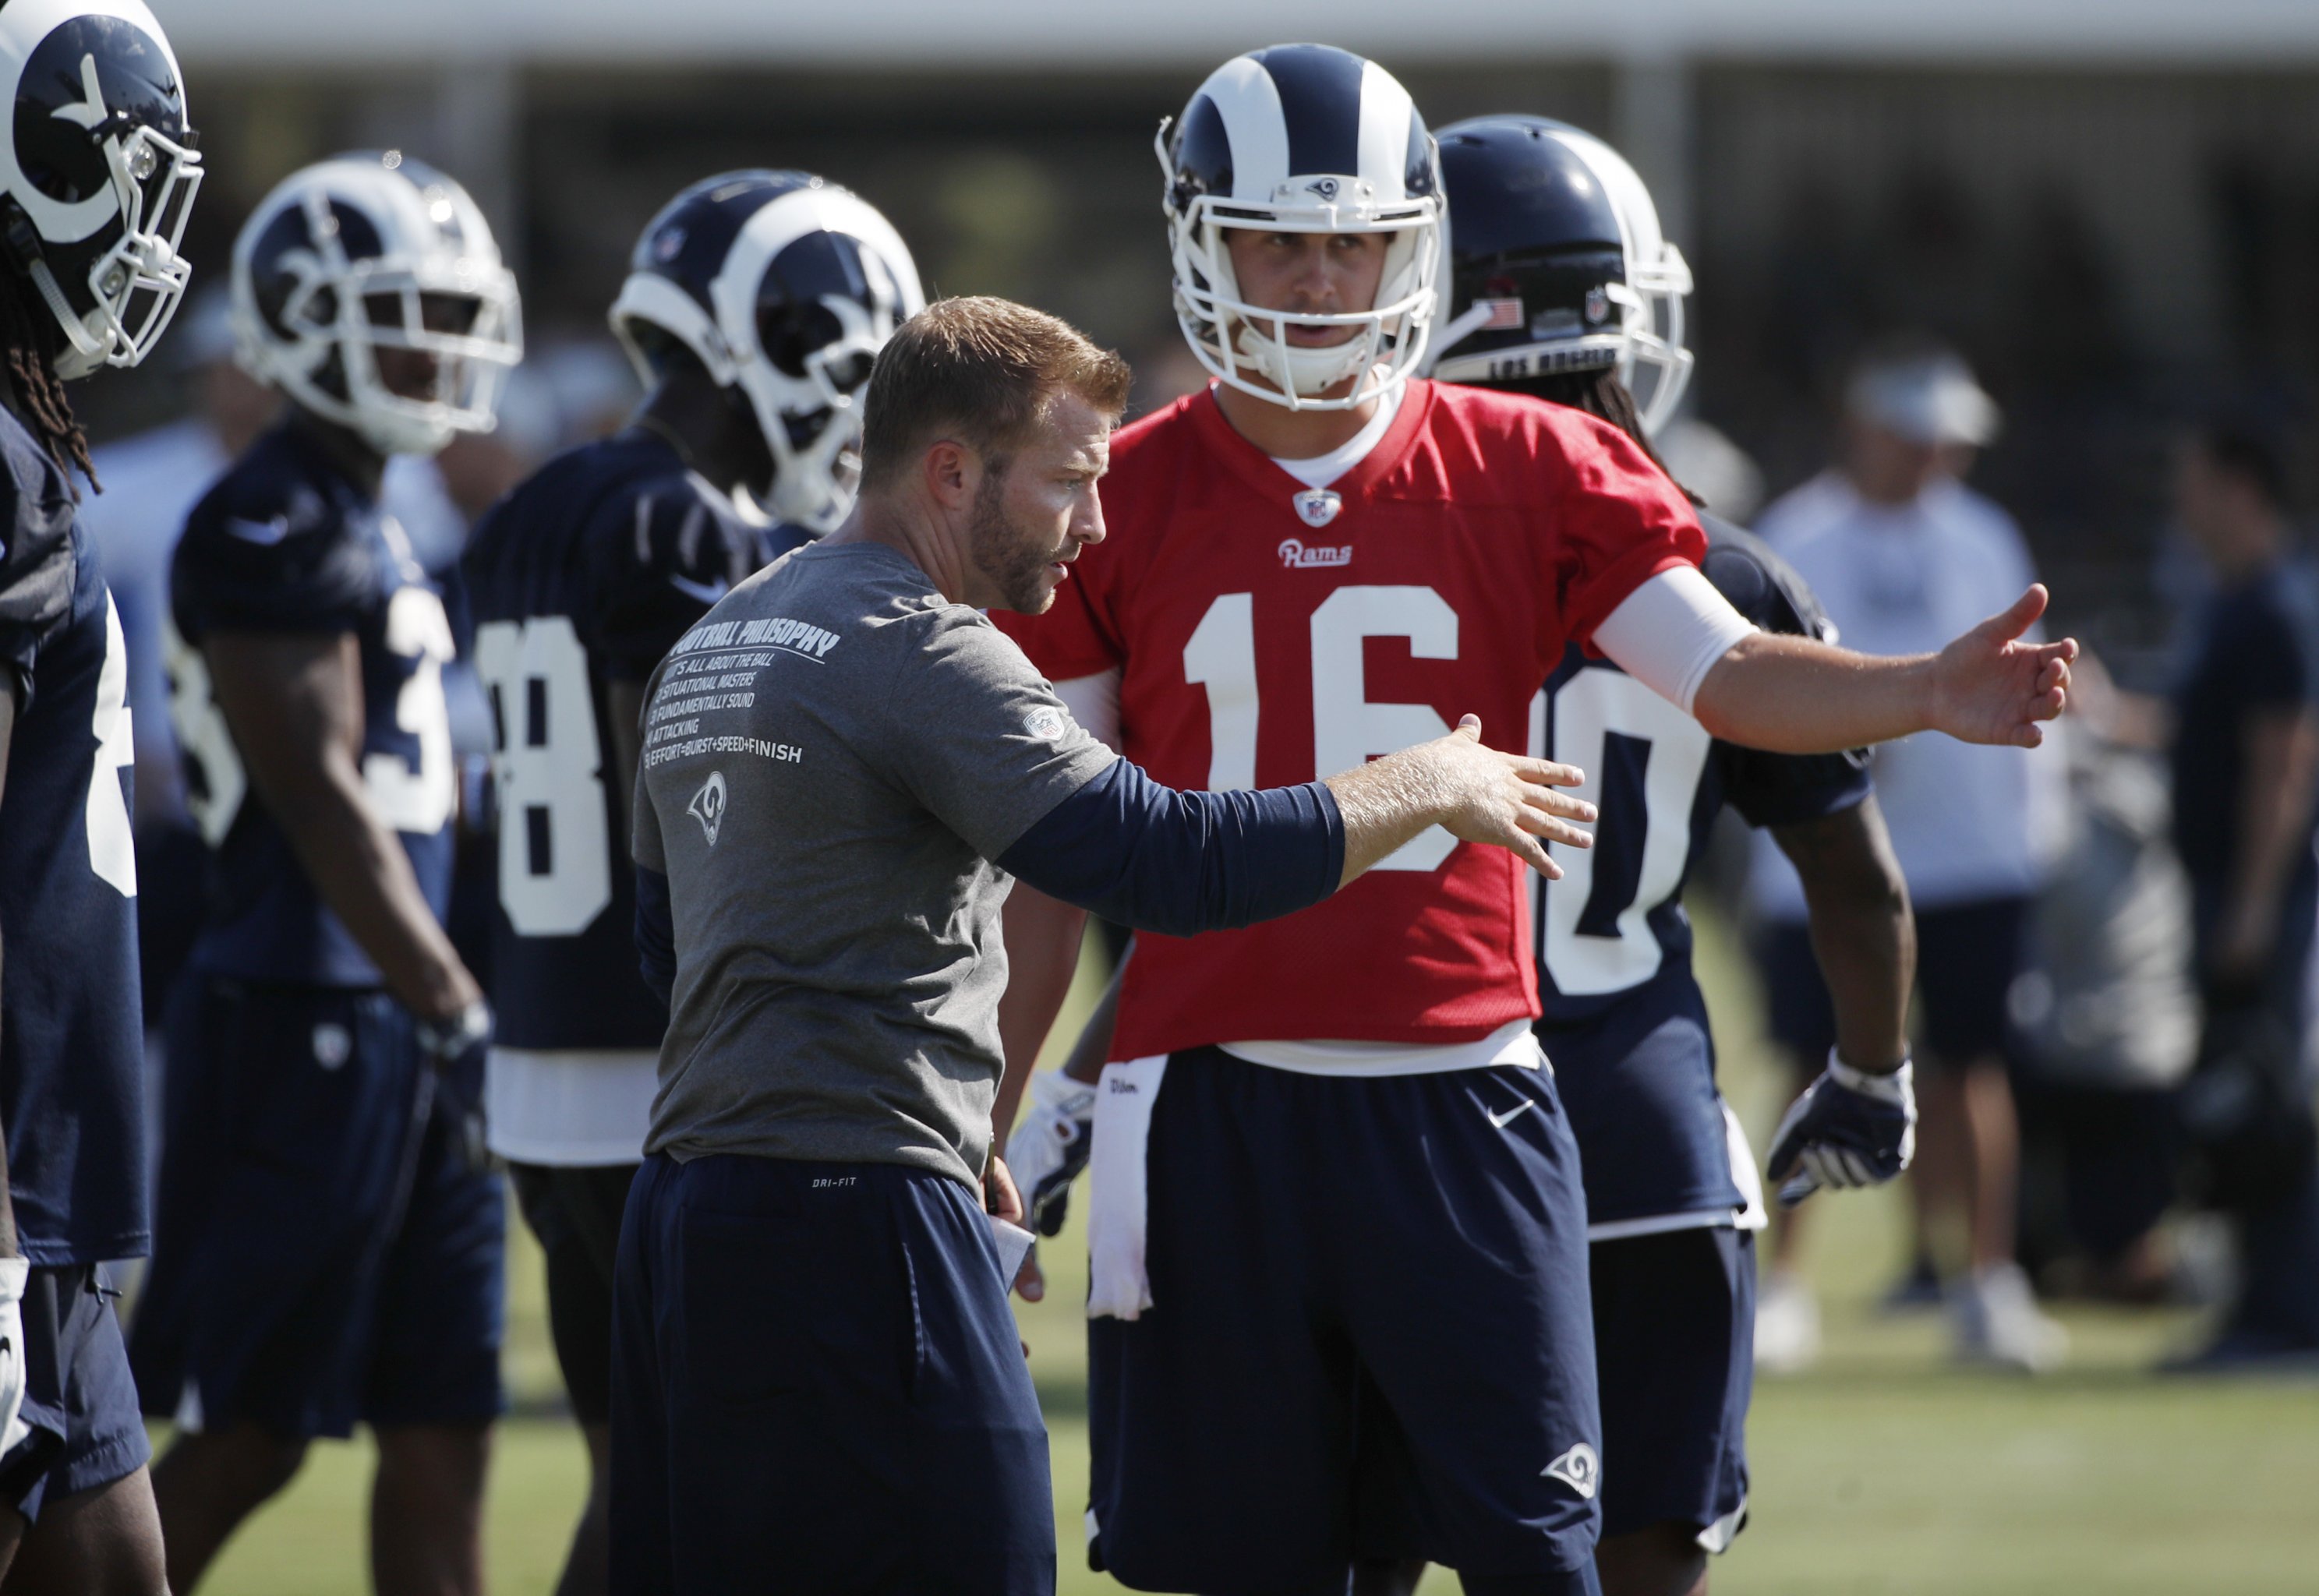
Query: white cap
<point>1929,399</point>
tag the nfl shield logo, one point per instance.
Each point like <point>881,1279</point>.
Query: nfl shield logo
<point>1317,506</point>
<point>1598,306</point>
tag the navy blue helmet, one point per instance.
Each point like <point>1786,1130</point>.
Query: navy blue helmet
<point>1556,264</point>
<point>785,286</point>
<point>1302,138</point>
<point>97,175</point>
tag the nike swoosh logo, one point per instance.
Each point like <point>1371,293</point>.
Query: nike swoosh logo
<point>265,533</point>
<point>706,592</point>
<point>1502,1120</point>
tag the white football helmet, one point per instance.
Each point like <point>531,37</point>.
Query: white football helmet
<point>786,286</point>
<point>99,171</point>
<point>362,253</point>
<point>1302,138</point>
<point>1557,265</point>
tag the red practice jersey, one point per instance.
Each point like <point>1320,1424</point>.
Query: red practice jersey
<point>1268,635</point>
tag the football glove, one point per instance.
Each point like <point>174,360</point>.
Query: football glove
<point>15,1273</point>
<point>447,1041</point>
<point>1049,1147</point>
<point>1849,1129</point>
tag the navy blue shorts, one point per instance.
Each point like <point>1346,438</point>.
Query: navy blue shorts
<point>331,1240</point>
<point>1967,956</point>
<point>1674,1337</point>
<point>817,1385</point>
<point>79,1400</point>
<point>1368,1334</point>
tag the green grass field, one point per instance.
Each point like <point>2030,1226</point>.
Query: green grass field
<point>1882,1470</point>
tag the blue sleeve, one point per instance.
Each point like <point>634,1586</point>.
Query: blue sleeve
<point>655,934</point>
<point>1147,856</point>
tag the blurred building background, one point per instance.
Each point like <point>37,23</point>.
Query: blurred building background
<point>2113,211</point>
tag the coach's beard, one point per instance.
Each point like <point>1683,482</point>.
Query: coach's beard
<point>1014,558</point>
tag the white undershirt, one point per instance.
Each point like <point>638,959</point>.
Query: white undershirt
<point>1668,635</point>
<point>1322,470</point>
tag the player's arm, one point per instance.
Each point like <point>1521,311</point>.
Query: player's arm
<point>293,703</point>
<point>1797,695</point>
<point>1857,1124</point>
<point>1862,930</point>
<point>2281,745</point>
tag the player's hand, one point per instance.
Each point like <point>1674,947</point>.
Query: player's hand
<point>1988,686</point>
<point>15,1273</point>
<point>450,1038</point>
<point>1050,1146</point>
<point>1849,1129</point>
<point>1505,799</point>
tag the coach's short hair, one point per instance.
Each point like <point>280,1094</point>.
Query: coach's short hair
<point>982,371</point>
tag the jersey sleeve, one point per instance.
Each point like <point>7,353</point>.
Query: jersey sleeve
<point>979,738</point>
<point>266,562</point>
<point>1617,522</point>
<point>669,554</point>
<point>1777,789</point>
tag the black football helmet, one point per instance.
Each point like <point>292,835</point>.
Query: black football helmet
<point>784,287</point>
<point>1556,264</point>
<point>97,173</point>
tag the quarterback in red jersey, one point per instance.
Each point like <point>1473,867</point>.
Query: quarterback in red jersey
<point>1348,1235</point>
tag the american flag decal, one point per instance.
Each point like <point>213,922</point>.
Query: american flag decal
<point>1504,314</point>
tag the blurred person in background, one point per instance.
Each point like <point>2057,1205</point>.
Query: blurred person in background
<point>330,1245</point>
<point>2106,1018</point>
<point>2245,763</point>
<point>1903,554</point>
<point>580,582</point>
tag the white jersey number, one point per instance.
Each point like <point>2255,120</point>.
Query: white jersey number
<point>556,872</point>
<point>112,844</point>
<point>1347,728</point>
<point>220,783</point>
<point>418,799</point>
<point>1589,710</point>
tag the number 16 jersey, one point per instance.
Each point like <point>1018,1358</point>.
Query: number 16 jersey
<point>1267,632</point>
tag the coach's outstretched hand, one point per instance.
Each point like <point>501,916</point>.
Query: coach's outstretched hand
<point>1988,686</point>
<point>1476,794</point>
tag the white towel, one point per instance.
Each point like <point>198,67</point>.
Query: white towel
<point>1753,1215</point>
<point>1117,1285</point>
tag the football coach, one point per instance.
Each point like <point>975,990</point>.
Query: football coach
<point>817,1385</point>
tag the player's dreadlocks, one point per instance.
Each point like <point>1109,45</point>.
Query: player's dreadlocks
<point>1601,394</point>
<point>32,338</point>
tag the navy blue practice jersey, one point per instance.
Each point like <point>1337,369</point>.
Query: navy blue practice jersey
<point>583,576</point>
<point>1623,1020</point>
<point>287,543</point>
<point>71,1035</point>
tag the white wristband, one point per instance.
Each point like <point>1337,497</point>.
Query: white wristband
<point>1896,1087</point>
